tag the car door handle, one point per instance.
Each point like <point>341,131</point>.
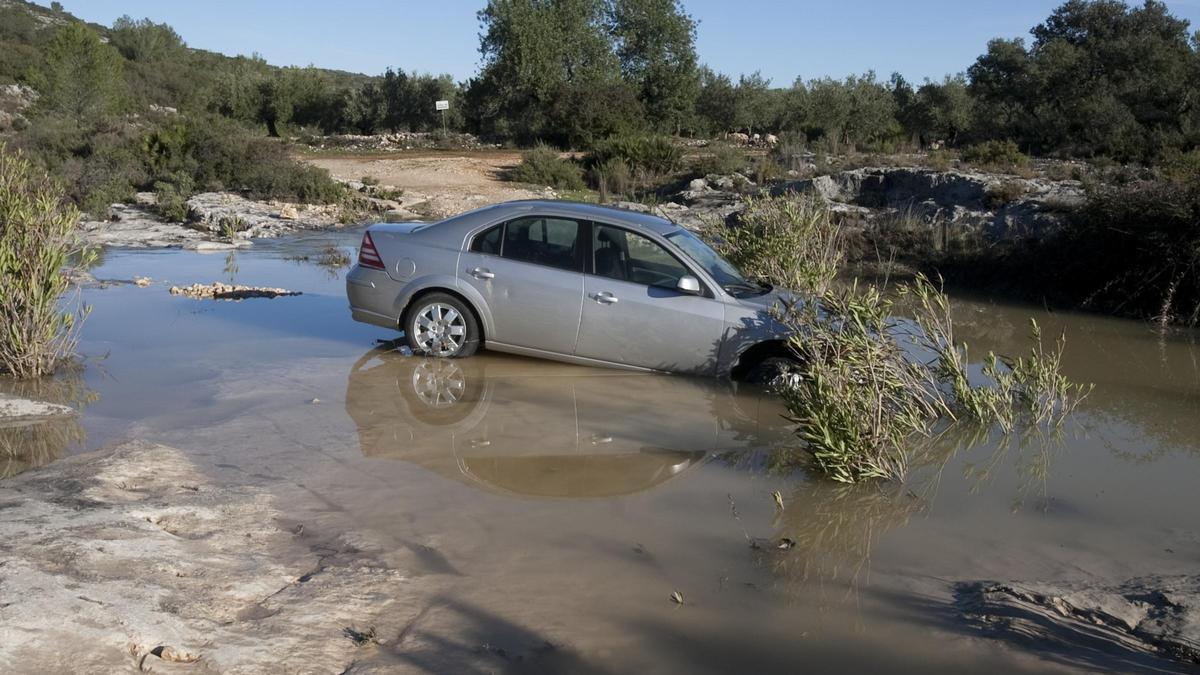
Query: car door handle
<point>481,273</point>
<point>604,298</point>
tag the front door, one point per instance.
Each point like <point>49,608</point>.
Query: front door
<point>528,270</point>
<point>633,314</point>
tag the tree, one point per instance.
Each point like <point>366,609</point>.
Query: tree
<point>398,99</point>
<point>145,40</point>
<point>937,111</point>
<point>274,104</point>
<point>753,96</point>
<point>81,76</point>
<point>1099,78</point>
<point>716,102</point>
<point>655,43</point>
<point>536,52</point>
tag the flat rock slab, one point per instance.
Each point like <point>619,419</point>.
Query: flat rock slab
<point>130,559</point>
<point>1143,623</point>
<point>15,410</point>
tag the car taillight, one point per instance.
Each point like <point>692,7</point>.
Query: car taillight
<point>368,255</point>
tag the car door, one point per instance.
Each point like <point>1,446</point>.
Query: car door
<point>529,271</point>
<point>633,314</point>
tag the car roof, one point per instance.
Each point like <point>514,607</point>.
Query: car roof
<point>585,211</point>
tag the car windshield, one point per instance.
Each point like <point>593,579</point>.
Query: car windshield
<point>720,269</point>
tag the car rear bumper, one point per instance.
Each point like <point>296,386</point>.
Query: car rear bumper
<point>372,294</point>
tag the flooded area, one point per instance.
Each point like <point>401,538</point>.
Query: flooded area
<point>540,517</point>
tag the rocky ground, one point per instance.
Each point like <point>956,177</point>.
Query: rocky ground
<point>431,185</point>
<point>213,216</point>
<point>997,206</point>
<point>129,558</point>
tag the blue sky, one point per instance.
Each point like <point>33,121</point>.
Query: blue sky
<point>919,38</point>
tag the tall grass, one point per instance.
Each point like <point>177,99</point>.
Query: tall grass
<point>868,385</point>
<point>792,241</point>
<point>38,241</point>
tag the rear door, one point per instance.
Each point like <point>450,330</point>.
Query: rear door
<point>529,270</point>
<point>633,314</point>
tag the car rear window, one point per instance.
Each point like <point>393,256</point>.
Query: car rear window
<point>553,242</point>
<point>488,241</point>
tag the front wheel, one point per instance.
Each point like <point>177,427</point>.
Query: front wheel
<point>441,325</point>
<point>774,372</point>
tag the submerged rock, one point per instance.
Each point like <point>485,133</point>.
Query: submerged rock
<point>13,410</point>
<point>220,291</point>
<point>1156,616</point>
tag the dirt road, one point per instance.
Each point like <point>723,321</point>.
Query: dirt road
<point>438,184</point>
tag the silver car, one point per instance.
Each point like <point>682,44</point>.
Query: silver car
<point>567,281</point>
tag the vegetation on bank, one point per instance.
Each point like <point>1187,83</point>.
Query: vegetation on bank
<point>38,249</point>
<point>876,370</point>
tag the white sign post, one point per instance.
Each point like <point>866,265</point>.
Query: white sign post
<point>442,106</point>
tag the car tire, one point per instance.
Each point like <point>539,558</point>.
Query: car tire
<point>771,372</point>
<point>441,325</point>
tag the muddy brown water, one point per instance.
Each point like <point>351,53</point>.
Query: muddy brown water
<point>559,507</point>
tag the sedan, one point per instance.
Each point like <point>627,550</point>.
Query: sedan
<point>567,281</point>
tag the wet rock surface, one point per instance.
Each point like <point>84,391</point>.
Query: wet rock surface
<point>132,557</point>
<point>212,216</point>
<point>220,291</point>
<point>1154,616</point>
<point>14,410</point>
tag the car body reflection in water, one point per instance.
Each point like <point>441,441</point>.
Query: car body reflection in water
<point>542,429</point>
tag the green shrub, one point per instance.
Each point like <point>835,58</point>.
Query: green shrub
<point>995,155</point>
<point>721,159</point>
<point>790,152</point>
<point>171,199</point>
<point>864,383</point>
<point>1132,249</point>
<point>1005,192</point>
<point>37,242</point>
<point>612,178</point>
<point>542,166</point>
<point>649,155</point>
<point>791,241</point>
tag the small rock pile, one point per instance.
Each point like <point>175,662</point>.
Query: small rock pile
<point>15,99</point>
<point>402,140</point>
<point>220,291</point>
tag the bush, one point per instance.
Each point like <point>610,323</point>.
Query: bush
<point>865,383</point>
<point>37,241</point>
<point>1004,155</point>
<point>791,241</point>
<point>1133,250</point>
<point>543,166</point>
<point>612,177</point>
<point>721,159</point>
<point>648,155</point>
<point>171,200</point>
<point>104,163</point>
<point>1005,192</point>
<point>790,152</point>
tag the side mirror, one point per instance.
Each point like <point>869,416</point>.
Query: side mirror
<point>688,284</point>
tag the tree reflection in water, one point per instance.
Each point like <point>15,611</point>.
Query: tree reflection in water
<point>28,445</point>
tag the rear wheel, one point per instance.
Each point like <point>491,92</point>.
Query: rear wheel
<point>441,325</point>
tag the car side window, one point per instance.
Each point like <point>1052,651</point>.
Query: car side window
<point>628,256</point>
<point>488,241</point>
<point>553,242</point>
